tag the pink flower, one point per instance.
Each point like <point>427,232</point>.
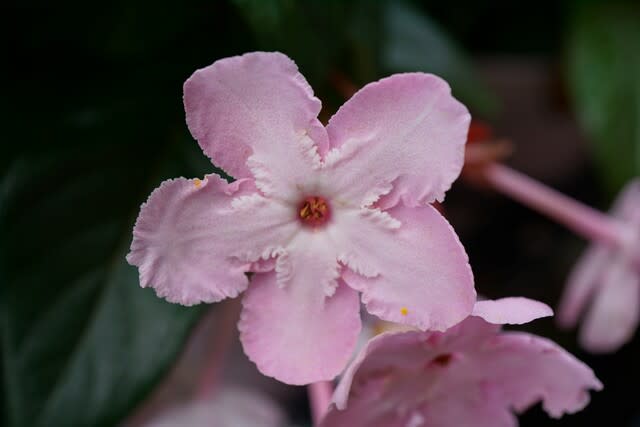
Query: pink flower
<point>230,407</point>
<point>472,375</point>
<point>318,214</point>
<point>608,278</point>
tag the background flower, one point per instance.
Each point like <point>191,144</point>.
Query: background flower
<point>230,407</point>
<point>604,286</point>
<point>471,375</point>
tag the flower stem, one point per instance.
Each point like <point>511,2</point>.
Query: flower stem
<point>228,315</point>
<point>582,219</point>
<point>319,399</point>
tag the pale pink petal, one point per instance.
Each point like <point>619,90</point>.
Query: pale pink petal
<point>477,406</point>
<point>416,273</point>
<point>381,355</point>
<point>309,260</point>
<point>296,333</point>
<point>468,334</point>
<point>188,230</point>
<point>256,111</point>
<point>627,204</point>
<point>529,369</point>
<point>440,398</point>
<point>613,317</point>
<point>512,310</point>
<point>524,368</point>
<point>583,282</point>
<point>589,273</point>
<point>409,351</point>
<point>406,133</point>
<point>470,375</point>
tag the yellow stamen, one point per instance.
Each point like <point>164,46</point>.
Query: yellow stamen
<point>314,211</point>
<point>404,311</point>
<point>305,211</point>
<point>197,182</point>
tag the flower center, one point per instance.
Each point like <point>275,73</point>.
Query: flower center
<point>443,359</point>
<point>314,211</point>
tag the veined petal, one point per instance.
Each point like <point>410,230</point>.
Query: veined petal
<point>187,230</point>
<point>255,115</point>
<point>296,333</point>
<point>404,133</point>
<point>416,274</point>
<point>613,317</point>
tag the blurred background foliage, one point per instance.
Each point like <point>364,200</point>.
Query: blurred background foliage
<point>93,121</point>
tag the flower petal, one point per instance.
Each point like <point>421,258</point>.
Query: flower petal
<point>613,317</point>
<point>417,274</point>
<point>627,204</point>
<point>421,399</point>
<point>471,407</point>
<point>530,369</point>
<point>583,282</point>
<point>404,132</point>
<point>187,230</point>
<point>256,108</point>
<point>295,333</point>
<point>490,374</point>
<point>511,310</point>
<point>588,274</point>
<point>382,353</point>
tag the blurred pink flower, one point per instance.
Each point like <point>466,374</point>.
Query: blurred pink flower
<point>472,375</point>
<point>230,407</point>
<point>319,214</point>
<point>608,278</point>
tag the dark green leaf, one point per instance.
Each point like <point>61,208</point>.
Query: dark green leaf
<point>93,121</point>
<point>603,72</point>
<point>82,342</point>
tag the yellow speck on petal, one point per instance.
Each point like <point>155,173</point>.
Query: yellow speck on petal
<point>197,182</point>
<point>404,311</point>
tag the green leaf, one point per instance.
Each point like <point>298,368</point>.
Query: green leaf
<point>603,74</point>
<point>85,140</point>
<point>414,42</point>
<point>82,343</point>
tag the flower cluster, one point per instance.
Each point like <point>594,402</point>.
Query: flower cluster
<point>326,217</point>
<point>609,277</point>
